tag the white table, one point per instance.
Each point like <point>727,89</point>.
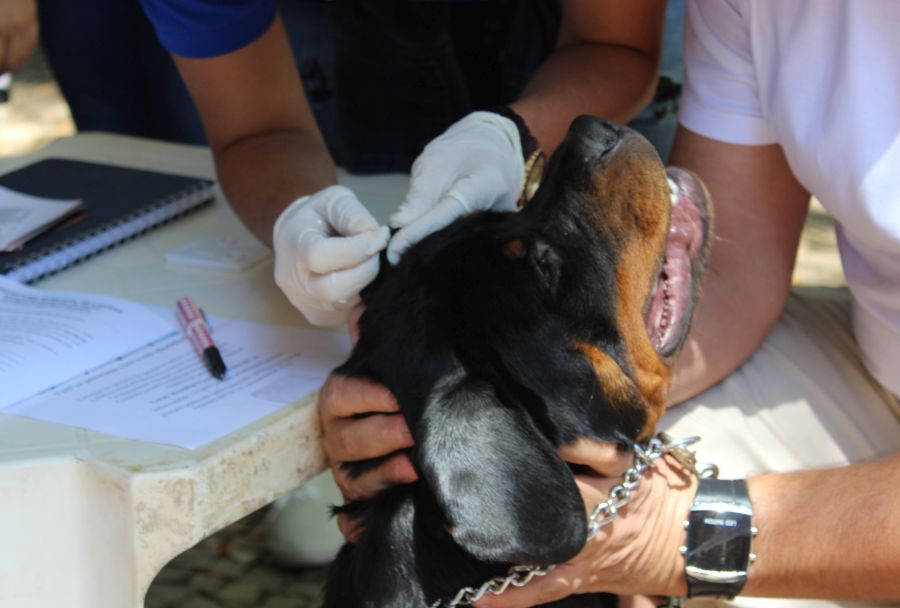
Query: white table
<point>88,520</point>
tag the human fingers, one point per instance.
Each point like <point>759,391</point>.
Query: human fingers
<point>640,601</point>
<point>343,397</point>
<point>362,438</point>
<point>353,322</point>
<point>302,237</point>
<point>350,527</point>
<point>340,289</point>
<point>440,216</point>
<point>336,232</point>
<point>604,457</point>
<point>561,582</point>
<point>344,212</point>
<point>429,180</point>
<point>394,471</point>
<point>322,253</point>
<point>316,313</point>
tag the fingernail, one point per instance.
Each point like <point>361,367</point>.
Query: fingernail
<point>405,435</point>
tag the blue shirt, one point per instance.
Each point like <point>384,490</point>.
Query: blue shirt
<point>205,28</point>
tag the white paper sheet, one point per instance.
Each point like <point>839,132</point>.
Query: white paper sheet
<point>23,216</point>
<point>121,368</point>
<point>163,393</point>
<point>47,338</point>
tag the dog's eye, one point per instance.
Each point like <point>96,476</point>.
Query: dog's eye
<point>548,265</point>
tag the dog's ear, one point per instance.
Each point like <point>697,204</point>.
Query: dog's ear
<point>505,491</point>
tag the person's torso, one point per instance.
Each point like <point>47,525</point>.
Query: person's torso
<point>829,85</point>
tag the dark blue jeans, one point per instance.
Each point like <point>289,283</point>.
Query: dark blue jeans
<point>113,71</point>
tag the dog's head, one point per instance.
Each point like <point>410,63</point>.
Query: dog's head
<point>506,335</point>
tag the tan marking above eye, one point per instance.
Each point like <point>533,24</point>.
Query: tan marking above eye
<point>514,249</point>
<point>615,383</point>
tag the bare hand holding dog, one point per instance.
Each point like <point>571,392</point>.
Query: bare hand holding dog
<point>361,420</point>
<point>637,553</point>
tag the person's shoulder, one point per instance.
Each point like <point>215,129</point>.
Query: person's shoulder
<point>205,28</point>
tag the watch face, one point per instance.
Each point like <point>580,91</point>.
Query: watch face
<point>719,540</point>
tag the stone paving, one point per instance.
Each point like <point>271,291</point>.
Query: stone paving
<point>234,568</point>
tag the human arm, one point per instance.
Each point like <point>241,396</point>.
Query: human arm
<point>605,63</point>
<point>360,420</point>
<point>826,534</point>
<point>269,155</point>
<point>265,142</point>
<point>759,211</point>
<point>18,33</point>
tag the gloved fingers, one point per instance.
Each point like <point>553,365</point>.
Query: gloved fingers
<point>439,217</point>
<point>427,185</point>
<point>323,254</point>
<point>322,318</point>
<point>316,312</point>
<point>344,213</point>
<point>326,249</point>
<point>341,288</point>
<point>480,190</point>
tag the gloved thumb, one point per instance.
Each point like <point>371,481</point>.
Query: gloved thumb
<point>344,213</point>
<point>474,192</point>
<point>427,185</point>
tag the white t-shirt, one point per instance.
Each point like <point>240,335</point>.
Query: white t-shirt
<point>822,79</point>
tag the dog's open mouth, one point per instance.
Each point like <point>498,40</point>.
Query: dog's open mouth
<point>673,296</point>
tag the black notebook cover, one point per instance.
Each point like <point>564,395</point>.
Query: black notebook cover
<point>119,203</point>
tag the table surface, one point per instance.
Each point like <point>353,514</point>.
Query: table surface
<point>129,503</point>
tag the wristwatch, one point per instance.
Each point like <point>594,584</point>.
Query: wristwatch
<point>532,155</point>
<point>719,532</point>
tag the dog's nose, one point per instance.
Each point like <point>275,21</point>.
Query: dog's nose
<point>595,133</point>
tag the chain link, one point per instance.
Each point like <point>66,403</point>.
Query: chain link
<point>645,456</point>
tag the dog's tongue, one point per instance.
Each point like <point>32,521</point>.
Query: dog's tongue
<point>672,299</point>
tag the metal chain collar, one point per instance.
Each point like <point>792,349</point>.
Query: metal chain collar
<point>645,456</point>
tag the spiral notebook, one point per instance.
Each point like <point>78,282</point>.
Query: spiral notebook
<point>119,204</point>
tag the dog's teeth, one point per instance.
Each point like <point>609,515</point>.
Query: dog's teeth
<point>673,191</point>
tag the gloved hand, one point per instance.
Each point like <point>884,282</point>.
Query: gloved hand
<point>326,250</point>
<point>476,164</point>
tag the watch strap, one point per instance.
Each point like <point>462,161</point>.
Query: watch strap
<point>532,155</point>
<point>728,491</point>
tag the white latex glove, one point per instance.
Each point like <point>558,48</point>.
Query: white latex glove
<point>475,165</point>
<point>326,250</point>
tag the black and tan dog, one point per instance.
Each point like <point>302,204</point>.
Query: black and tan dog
<point>506,335</point>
